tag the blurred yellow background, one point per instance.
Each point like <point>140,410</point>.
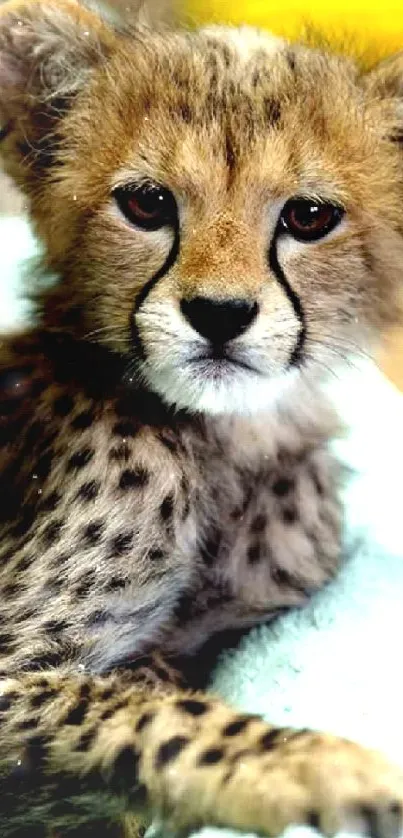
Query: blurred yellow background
<point>373,28</point>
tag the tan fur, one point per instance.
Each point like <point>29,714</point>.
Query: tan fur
<point>135,524</point>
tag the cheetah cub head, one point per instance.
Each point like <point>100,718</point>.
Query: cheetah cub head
<point>223,209</point>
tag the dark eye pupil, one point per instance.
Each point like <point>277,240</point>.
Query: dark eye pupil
<point>306,214</point>
<point>151,201</point>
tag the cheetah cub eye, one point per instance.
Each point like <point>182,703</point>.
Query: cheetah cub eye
<point>309,221</point>
<point>147,206</point>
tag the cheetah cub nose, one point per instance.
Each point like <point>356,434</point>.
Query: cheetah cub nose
<point>219,320</point>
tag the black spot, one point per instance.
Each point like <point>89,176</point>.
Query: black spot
<point>167,508</point>
<point>25,562</point>
<point>50,502</point>
<point>185,113</point>
<point>83,420</point>
<point>269,740</point>
<point>259,524</point>
<point>233,728</point>
<point>86,740</point>
<point>116,583</point>
<point>155,555</point>
<point>42,683</point>
<point>289,515</point>
<point>93,532</point>
<point>284,578</point>
<point>52,532</point>
<point>6,641</point>
<point>192,706</point>
<point>107,714</point>
<point>42,697</point>
<point>77,714</point>
<point>121,454</point>
<point>55,626</point>
<point>28,724</point>
<point>133,478</point>
<point>7,700</point>
<point>86,583</point>
<point>80,459</point>
<point>272,110</point>
<point>9,591</point>
<point>143,721</point>
<point>63,405</point>
<point>40,663</point>
<point>282,486</point>
<point>161,673</point>
<point>211,756</point>
<point>88,491</point>
<point>125,428</point>
<point>169,750</point>
<point>85,690</point>
<point>209,551</point>
<point>254,553</point>
<point>125,768</point>
<point>122,543</point>
<point>107,693</point>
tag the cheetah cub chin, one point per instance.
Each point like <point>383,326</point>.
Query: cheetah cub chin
<point>223,213</point>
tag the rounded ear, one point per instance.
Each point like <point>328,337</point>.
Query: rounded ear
<point>384,89</point>
<point>48,48</point>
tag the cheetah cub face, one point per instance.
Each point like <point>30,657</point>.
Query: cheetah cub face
<point>223,209</point>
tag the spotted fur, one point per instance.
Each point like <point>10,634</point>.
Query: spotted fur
<point>145,503</point>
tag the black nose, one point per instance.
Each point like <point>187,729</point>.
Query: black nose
<point>219,320</point>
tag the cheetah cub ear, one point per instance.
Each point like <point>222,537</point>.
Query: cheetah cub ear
<point>48,49</point>
<point>384,86</point>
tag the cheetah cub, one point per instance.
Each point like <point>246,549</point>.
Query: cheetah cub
<point>223,214</point>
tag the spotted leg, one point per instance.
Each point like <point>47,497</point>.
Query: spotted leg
<point>79,749</point>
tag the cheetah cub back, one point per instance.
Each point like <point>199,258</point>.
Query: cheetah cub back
<point>222,211</point>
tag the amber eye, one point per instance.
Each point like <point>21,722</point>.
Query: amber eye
<point>309,221</point>
<point>147,206</point>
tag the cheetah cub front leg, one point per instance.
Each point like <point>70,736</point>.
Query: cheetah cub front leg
<point>188,759</point>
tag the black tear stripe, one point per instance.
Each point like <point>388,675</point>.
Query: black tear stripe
<point>5,130</point>
<point>297,353</point>
<point>169,262</point>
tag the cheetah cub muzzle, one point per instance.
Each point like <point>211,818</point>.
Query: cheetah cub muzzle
<point>221,214</point>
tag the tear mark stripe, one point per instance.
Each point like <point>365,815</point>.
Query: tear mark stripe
<point>295,300</point>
